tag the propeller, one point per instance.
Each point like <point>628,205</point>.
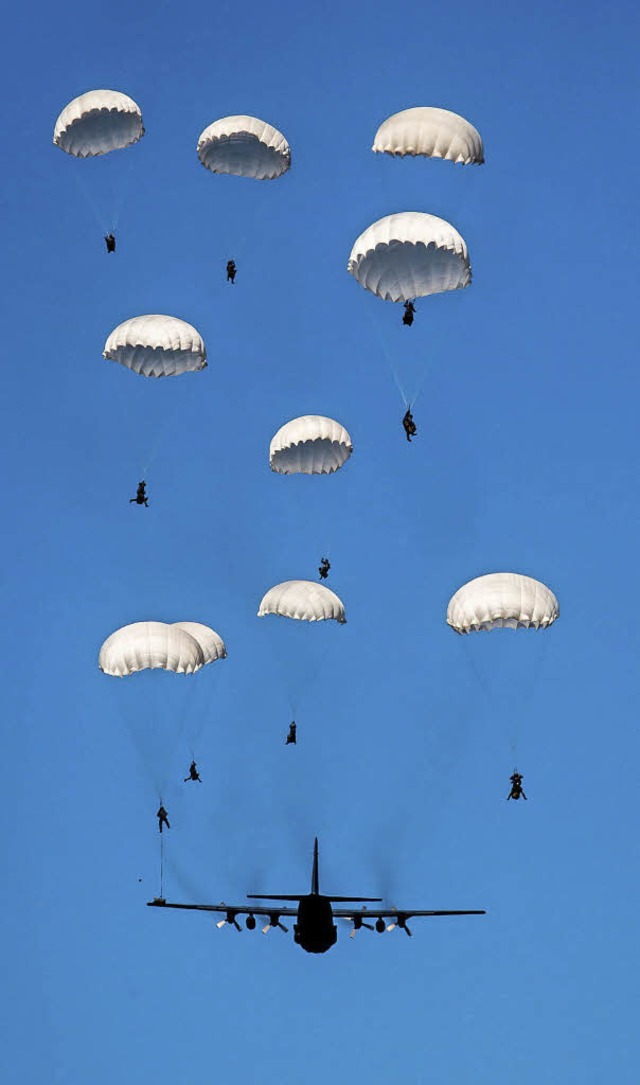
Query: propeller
<point>274,921</point>
<point>229,918</point>
<point>358,922</point>
<point>400,921</point>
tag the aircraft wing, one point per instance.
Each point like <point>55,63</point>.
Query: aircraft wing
<point>395,913</point>
<point>240,909</point>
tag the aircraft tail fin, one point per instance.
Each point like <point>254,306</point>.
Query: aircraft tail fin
<point>315,879</point>
<point>315,889</point>
<point>315,884</point>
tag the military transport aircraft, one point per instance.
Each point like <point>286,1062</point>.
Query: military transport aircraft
<point>315,930</point>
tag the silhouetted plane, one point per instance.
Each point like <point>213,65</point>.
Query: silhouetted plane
<point>315,930</point>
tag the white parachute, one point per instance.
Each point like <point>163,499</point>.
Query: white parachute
<point>156,346</point>
<point>303,600</point>
<point>245,147</point>
<point>183,647</point>
<point>212,644</point>
<point>309,445</point>
<point>98,122</point>
<point>502,601</point>
<point>410,255</point>
<point>430,131</point>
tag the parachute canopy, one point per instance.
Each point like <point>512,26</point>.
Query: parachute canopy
<point>309,445</point>
<point>98,122</point>
<point>212,644</point>
<point>410,255</point>
<point>156,346</point>
<point>304,600</point>
<point>427,130</point>
<point>245,147</point>
<point>184,647</point>
<point>502,601</point>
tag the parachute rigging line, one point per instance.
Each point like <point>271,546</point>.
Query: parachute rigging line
<point>91,202</point>
<point>379,329</point>
<point>154,449</point>
<point>124,179</point>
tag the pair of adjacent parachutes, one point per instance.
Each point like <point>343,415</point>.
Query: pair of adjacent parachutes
<point>412,254</point>
<point>102,121</point>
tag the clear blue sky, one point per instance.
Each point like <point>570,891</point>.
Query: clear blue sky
<point>526,460</point>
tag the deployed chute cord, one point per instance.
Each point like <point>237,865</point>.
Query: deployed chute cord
<point>380,331</point>
<point>420,386</point>
<point>161,866</point>
<point>121,189</point>
<point>155,777</point>
<point>297,676</point>
<point>152,453</point>
<point>314,674</point>
<point>91,202</point>
<point>107,221</point>
<point>191,720</point>
<point>478,677</point>
<point>164,732</point>
<point>203,713</point>
<point>511,723</point>
<point>155,445</point>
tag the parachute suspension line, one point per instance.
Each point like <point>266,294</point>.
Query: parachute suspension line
<point>155,447</point>
<point>419,389</point>
<point>123,183</point>
<point>161,864</point>
<point>527,692</point>
<point>397,381</point>
<point>92,204</point>
<point>295,689</point>
<point>387,358</point>
<point>478,676</point>
<point>313,676</point>
<point>510,732</point>
<point>128,717</point>
<point>537,667</point>
<point>185,714</point>
<point>394,372</point>
<point>319,665</point>
<point>198,710</point>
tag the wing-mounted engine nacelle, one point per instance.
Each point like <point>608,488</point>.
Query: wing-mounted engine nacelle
<point>274,921</point>
<point>229,918</point>
<point>358,923</point>
<point>250,923</point>
<point>400,921</point>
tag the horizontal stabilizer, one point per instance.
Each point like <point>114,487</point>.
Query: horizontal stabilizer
<point>356,900</point>
<point>272,896</point>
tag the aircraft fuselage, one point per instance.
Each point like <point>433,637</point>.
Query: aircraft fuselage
<point>315,930</point>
